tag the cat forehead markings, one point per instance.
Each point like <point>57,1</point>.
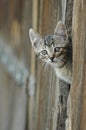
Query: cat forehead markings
<point>48,40</point>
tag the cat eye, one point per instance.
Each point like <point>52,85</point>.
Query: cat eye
<point>44,52</point>
<point>57,49</point>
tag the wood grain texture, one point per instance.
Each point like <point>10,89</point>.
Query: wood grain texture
<point>49,14</point>
<point>13,98</point>
<point>78,90</point>
<point>52,107</point>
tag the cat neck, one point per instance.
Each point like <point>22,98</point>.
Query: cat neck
<point>64,73</point>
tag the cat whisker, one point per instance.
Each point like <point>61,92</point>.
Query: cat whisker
<point>42,64</point>
<point>46,66</point>
<point>64,60</point>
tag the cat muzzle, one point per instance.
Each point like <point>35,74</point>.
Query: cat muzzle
<point>51,58</point>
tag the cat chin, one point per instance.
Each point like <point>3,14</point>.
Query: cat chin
<point>49,62</point>
<point>53,63</point>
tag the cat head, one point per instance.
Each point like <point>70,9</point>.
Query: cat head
<point>51,48</point>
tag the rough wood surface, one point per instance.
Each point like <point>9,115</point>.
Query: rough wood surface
<point>41,111</point>
<point>52,109</point>
<point>13,98</point>
<point>48,84</point>
<point>78,91</point>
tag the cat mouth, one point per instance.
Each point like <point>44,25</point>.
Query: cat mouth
<point>53,62</point>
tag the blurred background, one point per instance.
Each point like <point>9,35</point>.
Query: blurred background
<point>24,87</point>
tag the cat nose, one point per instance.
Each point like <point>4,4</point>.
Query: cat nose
<point>51,58</point>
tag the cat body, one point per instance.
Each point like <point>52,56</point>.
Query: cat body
<point>64,73</point>
<point>55,50</point>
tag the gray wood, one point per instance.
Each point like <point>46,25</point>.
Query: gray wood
<point>49,92</point>
<point>78,89</point>
<point>13,98</point>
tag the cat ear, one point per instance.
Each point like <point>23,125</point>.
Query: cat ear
<point>34,37</point>
<point>60,30</point>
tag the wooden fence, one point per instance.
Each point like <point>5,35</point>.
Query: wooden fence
<point>32,98</point>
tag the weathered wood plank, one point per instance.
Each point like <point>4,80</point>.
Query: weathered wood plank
<point>13,98</point>
<point>48,83</point>
<point>78,89</point>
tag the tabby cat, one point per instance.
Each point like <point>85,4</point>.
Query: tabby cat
<point>55,49</point>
